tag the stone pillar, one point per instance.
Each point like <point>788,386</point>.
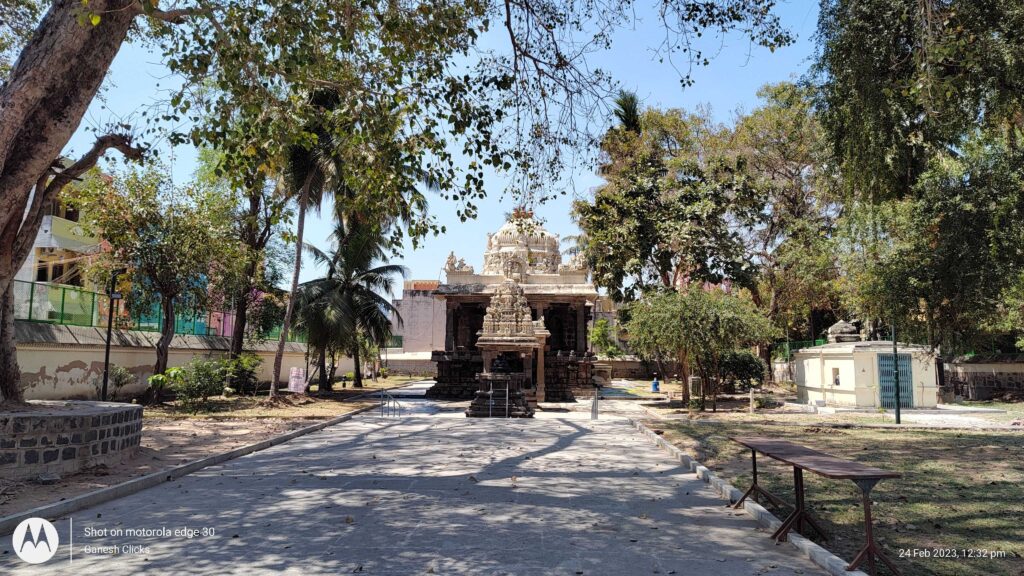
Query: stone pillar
<point>581,327</point>
<point>449,327</point>
<point>540,369</point>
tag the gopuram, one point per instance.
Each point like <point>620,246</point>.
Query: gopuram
<point>519,324</point>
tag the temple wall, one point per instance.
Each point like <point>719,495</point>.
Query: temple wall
<point>423,318</point>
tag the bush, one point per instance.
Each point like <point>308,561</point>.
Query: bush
<point>742,367</point>
<point>160,383</point>
<point>385,372</point>
<point>765,402</point>
<point>350,376</point>
<point>241,372</point>
<point>694,404</point>
<point>118,378</point>
<point>195,383</point>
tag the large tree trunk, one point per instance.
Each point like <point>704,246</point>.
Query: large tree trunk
<point>241,318</point>
<point>10,374</point>
<point>163,345</point>
<point>357,375</point>
<point>289,309</point>
<point>322,366</point>
<point>41,105</point>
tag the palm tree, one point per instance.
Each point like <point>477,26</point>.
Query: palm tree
<point>348,302</point>
<point>627,111</point>
<point>308,177</point>
<point>315,173</point>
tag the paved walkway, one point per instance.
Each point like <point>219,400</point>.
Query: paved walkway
<point>430,494</point>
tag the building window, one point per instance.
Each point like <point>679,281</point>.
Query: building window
<point>42,273</point>
<point>835,376</point>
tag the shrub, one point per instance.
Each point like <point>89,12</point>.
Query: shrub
<point>160,383</point>
<point>196,382</point>
<point>765,402</point>
<point>241,372</point>
<point>742,367</point>
<point>694,404</point>
<point>118,378</point>
<point>385,372</point>
<point>350,376</point>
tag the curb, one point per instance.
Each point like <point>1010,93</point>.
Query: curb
<point>56,510</point>
<point>831,563</point>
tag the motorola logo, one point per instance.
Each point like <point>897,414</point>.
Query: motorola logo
<point>35,540</point>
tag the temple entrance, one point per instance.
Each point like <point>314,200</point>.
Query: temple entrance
<point>543,340</point>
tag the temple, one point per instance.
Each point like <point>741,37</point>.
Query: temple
<point>524,318</point>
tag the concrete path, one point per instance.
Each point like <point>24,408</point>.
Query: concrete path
<point>430,494</point>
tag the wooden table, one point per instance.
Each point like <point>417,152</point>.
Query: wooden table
<point>802,458</point>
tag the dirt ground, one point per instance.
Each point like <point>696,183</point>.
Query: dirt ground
<point>172,437</point>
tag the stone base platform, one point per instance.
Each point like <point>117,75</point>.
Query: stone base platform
<point>62,437</point>
<point>500,396</point>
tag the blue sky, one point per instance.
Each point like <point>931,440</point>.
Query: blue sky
<point>137,80</point>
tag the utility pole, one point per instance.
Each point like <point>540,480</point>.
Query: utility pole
<point>112,296</point>
<point>896,371</point>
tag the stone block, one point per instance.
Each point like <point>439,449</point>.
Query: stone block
<point>69,453</point>
<point>31,457</point>
<point>50,455</point>
<point>8,458</point>
<point>28,442</point>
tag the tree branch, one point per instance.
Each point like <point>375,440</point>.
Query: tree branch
<point>46,192</point>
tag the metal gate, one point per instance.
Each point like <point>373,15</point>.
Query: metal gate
<point>886,384</point>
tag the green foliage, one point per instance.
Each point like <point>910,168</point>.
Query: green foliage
<point>345,309</point>
<point>695,404</point>
<point>698,326</point>
<point>742,367</point>
<point>941,260</point>
<point>241,372</point>
<point>765,401</point>
<point>169,240</point>
<point>415,82</point>
<point>117,378</point>
<point>603,340</point>
<point>667,213</point>
<point>161,383</point>
<point>197,381</point>
<point>19,18</point>
<point>782,146</point>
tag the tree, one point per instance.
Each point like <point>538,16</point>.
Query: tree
<point>665,216</point>
<point>258,214</point>
<point>166,238</point>
<point>350,296</point>
<point>942,258</point>
<point>782,147</point>
<point>698,328</point>
<point>603,340</point>
<point>251,65</point>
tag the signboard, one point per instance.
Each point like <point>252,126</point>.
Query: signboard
<point>297,380</point>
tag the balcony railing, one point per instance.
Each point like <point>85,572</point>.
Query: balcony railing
<point>70,306</point>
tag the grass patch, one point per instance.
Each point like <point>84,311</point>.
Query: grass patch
<point>960,490</point>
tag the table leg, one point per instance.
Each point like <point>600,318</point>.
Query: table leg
<point>755,489</point>
<point>799,514</point>
<point>870,551</point>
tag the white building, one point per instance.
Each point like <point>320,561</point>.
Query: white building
<point>860,374</point>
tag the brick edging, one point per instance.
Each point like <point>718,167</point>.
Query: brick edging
<point>58,509</point>
<point>831,563</point>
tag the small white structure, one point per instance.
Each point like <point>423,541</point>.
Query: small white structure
<point>859,374</point>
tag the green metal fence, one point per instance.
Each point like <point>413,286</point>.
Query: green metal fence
<point>70,306</point>
<point>784,350</point>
